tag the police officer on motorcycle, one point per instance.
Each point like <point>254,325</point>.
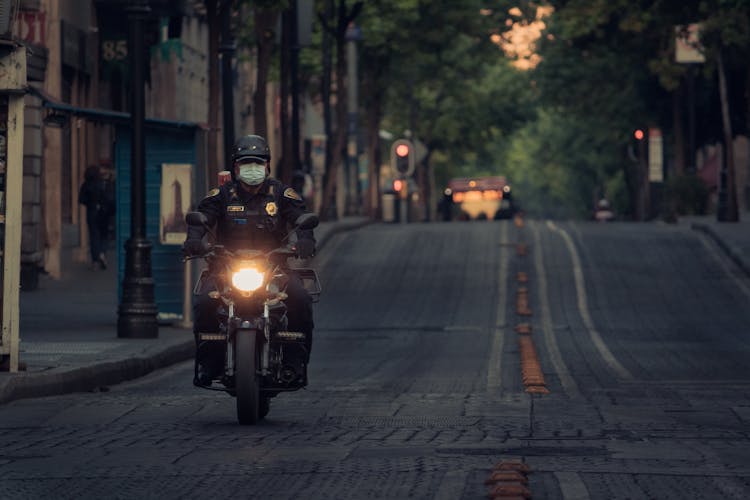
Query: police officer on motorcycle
<point>253,211</point>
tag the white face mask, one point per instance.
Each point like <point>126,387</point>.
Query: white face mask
<point>252,173</point>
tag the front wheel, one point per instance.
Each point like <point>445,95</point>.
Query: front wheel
<point>247,381</point>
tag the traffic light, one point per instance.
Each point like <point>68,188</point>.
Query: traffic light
<point>638,134</point>
<point>402,158</point>
<point>398,185</point>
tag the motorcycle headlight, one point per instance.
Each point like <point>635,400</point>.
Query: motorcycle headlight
<point>247,279</point>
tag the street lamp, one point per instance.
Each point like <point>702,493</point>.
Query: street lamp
<point>137,311</point>
<point>227,49</point>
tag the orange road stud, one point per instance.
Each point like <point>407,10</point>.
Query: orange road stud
<point>522,277</point>
<point>508,480</point>
<point>509,476</point>
<point>522,249</point>
<point>537,389</point>
<point>514,465</point>
<point>531,370</point>
<point>522,302</point>
<point>518,220</point>
<point>510,491</point>
<point>523,329</point>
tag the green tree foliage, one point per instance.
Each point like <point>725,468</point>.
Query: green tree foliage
<point>562,131</point>
<point>612,63</point>
<point>559,168</point>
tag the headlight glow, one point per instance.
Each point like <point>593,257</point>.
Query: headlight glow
<point>247,279</point>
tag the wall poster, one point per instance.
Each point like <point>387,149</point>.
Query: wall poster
<point>176,187</point>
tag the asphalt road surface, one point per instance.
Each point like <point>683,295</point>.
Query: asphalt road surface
<point>417,390</point>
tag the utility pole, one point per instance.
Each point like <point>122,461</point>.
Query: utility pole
<point>353,34</point>
<point>227,50</point>
<point>137,311</point>
<point>12,85</point>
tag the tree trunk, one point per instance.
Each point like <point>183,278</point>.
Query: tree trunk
<point>632,182</point>
<point>283,169</point>
<point>214,162</point>
<point>325,204</point>
<point>732,214</point>
<point>339,140</point>
<point>338,148</point>
<point>679,130</point>
<point>424,198</point>
<point>374,117</point>
<point>265,23</point>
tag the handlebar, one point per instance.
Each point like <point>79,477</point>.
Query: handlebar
<point>222,251</point>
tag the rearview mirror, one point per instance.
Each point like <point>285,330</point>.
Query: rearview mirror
<point>307,221</point>
<point>196,219</point>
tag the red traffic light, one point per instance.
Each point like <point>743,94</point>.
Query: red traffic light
<point>402,150</point>
<point>398,185</point>
<point>638,134</point>
<point>402,158</point>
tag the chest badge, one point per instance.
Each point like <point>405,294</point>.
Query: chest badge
<point>235,208</point>
<point>271,208</point>
<point>292,194</point>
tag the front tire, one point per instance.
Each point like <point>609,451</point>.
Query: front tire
<point>247,381</point>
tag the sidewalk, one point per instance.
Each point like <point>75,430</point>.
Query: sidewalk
<point>732,237</point>
<point>68,331</point>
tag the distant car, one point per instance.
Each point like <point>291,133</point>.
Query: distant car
<point>603,212</point>
<point>481,198</point>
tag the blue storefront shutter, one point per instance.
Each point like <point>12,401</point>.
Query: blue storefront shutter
<point>164,144</point>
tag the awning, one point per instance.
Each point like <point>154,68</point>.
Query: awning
<point>105,115</point>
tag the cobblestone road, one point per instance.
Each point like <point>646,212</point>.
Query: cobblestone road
<point>416,389</point>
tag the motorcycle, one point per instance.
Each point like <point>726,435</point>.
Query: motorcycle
<point>262,358</point>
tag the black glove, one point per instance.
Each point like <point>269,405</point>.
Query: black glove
<point>305,248</point>
<point>193,247</point>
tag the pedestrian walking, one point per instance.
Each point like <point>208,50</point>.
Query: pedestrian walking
<point>98,198</point>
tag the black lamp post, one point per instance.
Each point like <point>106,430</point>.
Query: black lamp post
<point>227,49</point>
<point>137,311</point>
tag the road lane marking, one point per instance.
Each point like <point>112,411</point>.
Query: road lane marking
<point>452,485</point>
<point>494,370</point>
<point>723,263</point>
<point>572,486</point>
<point>583,307</point>
<point>566,380</point>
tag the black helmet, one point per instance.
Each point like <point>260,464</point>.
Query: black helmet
<point>251,146</point>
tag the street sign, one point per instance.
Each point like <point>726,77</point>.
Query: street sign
<point>687,44</point>
<point>655,155</point>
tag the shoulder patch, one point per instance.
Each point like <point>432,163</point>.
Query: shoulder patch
<point>213,192</point>
<point>291,193</point>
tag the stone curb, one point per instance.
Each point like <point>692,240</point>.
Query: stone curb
<point>340,228</point>
<point>731,251</point>
<point>95,376</point>
<point>102,374</point>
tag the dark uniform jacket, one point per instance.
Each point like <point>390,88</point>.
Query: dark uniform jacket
<point>252,221</point>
